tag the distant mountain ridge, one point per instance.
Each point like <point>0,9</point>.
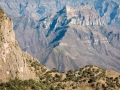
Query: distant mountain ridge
<point>107,9</point>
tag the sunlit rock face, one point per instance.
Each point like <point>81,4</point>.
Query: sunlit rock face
<point>13,62</point>
<point>68,34</point>
<point>84,15</point>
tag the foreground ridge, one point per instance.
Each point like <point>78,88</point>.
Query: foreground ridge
<point>88,78</point>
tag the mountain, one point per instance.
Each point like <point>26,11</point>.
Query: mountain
<point>68,34</point>
<point>70,39</point>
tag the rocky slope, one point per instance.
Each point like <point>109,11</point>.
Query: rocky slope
<point>13,61</point>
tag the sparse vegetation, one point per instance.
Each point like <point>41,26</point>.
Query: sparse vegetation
<point>90,76</point>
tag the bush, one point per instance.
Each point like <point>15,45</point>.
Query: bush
<point>52,87</point>
<point>54,70</point>
<point>92,79</point>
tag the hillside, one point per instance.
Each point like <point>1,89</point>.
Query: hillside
<point>87,78</point>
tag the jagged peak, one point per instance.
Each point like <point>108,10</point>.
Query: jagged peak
<point>84,15</point>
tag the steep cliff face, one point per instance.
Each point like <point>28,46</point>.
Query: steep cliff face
<point>13,62</point>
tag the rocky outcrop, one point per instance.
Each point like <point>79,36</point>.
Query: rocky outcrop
<point>13,61</point>
<point>84,15</point>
